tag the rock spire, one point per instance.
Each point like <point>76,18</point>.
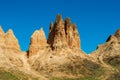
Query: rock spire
<point>38,41</point>
<point>63,34</point>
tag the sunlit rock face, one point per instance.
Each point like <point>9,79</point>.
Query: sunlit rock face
<point>11,41</point>
<point>61,54</point>
<point>2,35</point>
<point>10,53</point>
<point>38,41</point>
<point>8,40</point>
<point>72,34</point>
<point>63,34</point>
<point>108,50</point>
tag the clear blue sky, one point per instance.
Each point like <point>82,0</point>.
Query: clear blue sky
<point>95,19</point>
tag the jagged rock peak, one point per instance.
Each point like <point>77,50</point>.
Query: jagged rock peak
<point>38,41</point>
<point>63,34</point>
<point>1,31</point>
<point>39,33</point>
<point>115,37</point>
<point>67,21</point>
<point>51,26</point>
<point>11,41</point>
<point>117,33</point>
<point>72,35</point>
<point>58,18</point>
<point>10,32</point>
<point>111,38</point>
<point>38,37</point>
<point>2,39</point>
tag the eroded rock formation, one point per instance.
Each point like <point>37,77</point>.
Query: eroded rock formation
<point>72,34</point>
<point>109,48</point>
<point>60,55</point>
<point>8,40</point>
<point>2,34</point>
<point>63,34</point>
<point>38,41</point>
<point>11,41</point>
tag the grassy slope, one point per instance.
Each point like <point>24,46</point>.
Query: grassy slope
<point>14,75</point>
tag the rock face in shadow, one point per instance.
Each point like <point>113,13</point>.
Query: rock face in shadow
<point>63,34</point>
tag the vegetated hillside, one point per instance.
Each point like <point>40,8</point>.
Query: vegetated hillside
<point>59,57</point>
<point>108,55</point>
